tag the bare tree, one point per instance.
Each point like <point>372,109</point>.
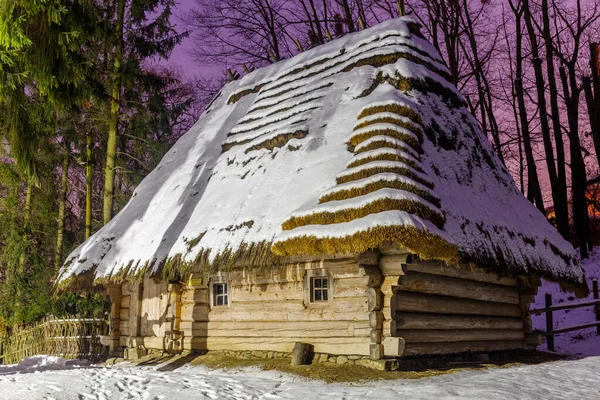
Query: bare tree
<point>228,32</point>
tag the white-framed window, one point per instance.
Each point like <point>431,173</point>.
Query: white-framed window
<point>220,294</point>
<point>220,291</point>
<point>319,289</point>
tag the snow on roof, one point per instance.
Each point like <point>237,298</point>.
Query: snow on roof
<point>354,143</point>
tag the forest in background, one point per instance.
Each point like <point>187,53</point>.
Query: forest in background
<point>86,111</point>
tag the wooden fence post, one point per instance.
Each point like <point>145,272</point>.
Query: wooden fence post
<point>597,307</point>
<point>549,322</point>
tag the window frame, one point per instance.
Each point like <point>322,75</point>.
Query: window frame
<point>309,276</point>
<point>214,282</point>
<point>320,289</point>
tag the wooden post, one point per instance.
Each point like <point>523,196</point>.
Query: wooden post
<point>597,307</point>
<point>245,68</point>
<point>549,322</point>
<point>301,353</point>
<point>328,35</point>
<point>114,293</point>
<point>230,75</point>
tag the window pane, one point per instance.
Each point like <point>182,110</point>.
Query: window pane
<point>325,282</point>
<point>317,282</point>
<point>225,302</point>
<point>317,295</point>
<point>219,300</point>
<point>225,288</point>
<point>325,295</point>
<point>219,288</point>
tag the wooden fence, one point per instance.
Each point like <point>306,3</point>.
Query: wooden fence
<point>550,309</point>
<point>67,338</point>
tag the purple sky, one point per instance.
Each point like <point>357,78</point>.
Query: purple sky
<point>180,59</point>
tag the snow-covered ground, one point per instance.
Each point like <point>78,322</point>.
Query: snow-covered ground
<point>544,381</point>
<point>578,343</point>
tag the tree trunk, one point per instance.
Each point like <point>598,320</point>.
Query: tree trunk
<point>590,101</point>
<point>62,200</point>
<point>545,128</point>
<point>592,95</point>
<point>348,16</point>
<point>559,192</point>
<point>485,100</point>
<point>534,194</point>
<point>113,124</point>
<point>578,175</point>
<point>88,186</point>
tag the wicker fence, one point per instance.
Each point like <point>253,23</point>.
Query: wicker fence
<point>67,338</point>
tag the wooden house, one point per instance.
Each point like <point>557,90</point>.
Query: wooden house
<point>343,198</point>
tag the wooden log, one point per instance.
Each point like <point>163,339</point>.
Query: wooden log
<point>415,349</point>
<point>456,287</point>
<point>376,351</point>
<point>394,264</point>
<point>288,333</point>
<point>444,321</point>
<point>198,295</point>
<point>277,327</point>
<point>525,301</point>
<point>194,312</point>
<point>125,301</point>
<point>372,275</point>
<point>268,292</point>
<point>310,314</point>
<point>368,258</point>
<point>427,303</point>
<point>300,353</point>
<point>388,284</point>
<point>349,287</point>
<point>374,299</point>
<point>393,346</point>
<point>124,314</point>
<point>376,320</point>
<point>441,269</point>
<point>196,329</point>
<point>357,346</point>
<point>375,335</point>
<point>459,335</point>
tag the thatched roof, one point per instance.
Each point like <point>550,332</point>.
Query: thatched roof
<point>355,143</point>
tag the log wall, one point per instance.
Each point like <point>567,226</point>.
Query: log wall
<point>379,306</point>
<point>267,311</point>
<point>437,309</point>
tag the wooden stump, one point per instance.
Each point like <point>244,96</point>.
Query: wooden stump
<point>301,353</point>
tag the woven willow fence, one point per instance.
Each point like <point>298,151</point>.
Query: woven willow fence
<point>67,338</point>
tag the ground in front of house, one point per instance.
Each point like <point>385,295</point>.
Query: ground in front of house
<point>46,377</point>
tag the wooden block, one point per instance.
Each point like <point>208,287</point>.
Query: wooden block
<point>425,303</point>
<point>375,335</point>
<point>459,335</point>
<point>125,301</point>
<point>444,321</point>
<point>414,349</point>
<point>376,351</point>
<point>368,258</point>
<point>376,320</point>
<point>438,268</point>
<point>124,314</point>
<point>374,299</point>
<point>372,275</point>
<point>393,346</point>
<point>394,264</point>
<point>457,287</point>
